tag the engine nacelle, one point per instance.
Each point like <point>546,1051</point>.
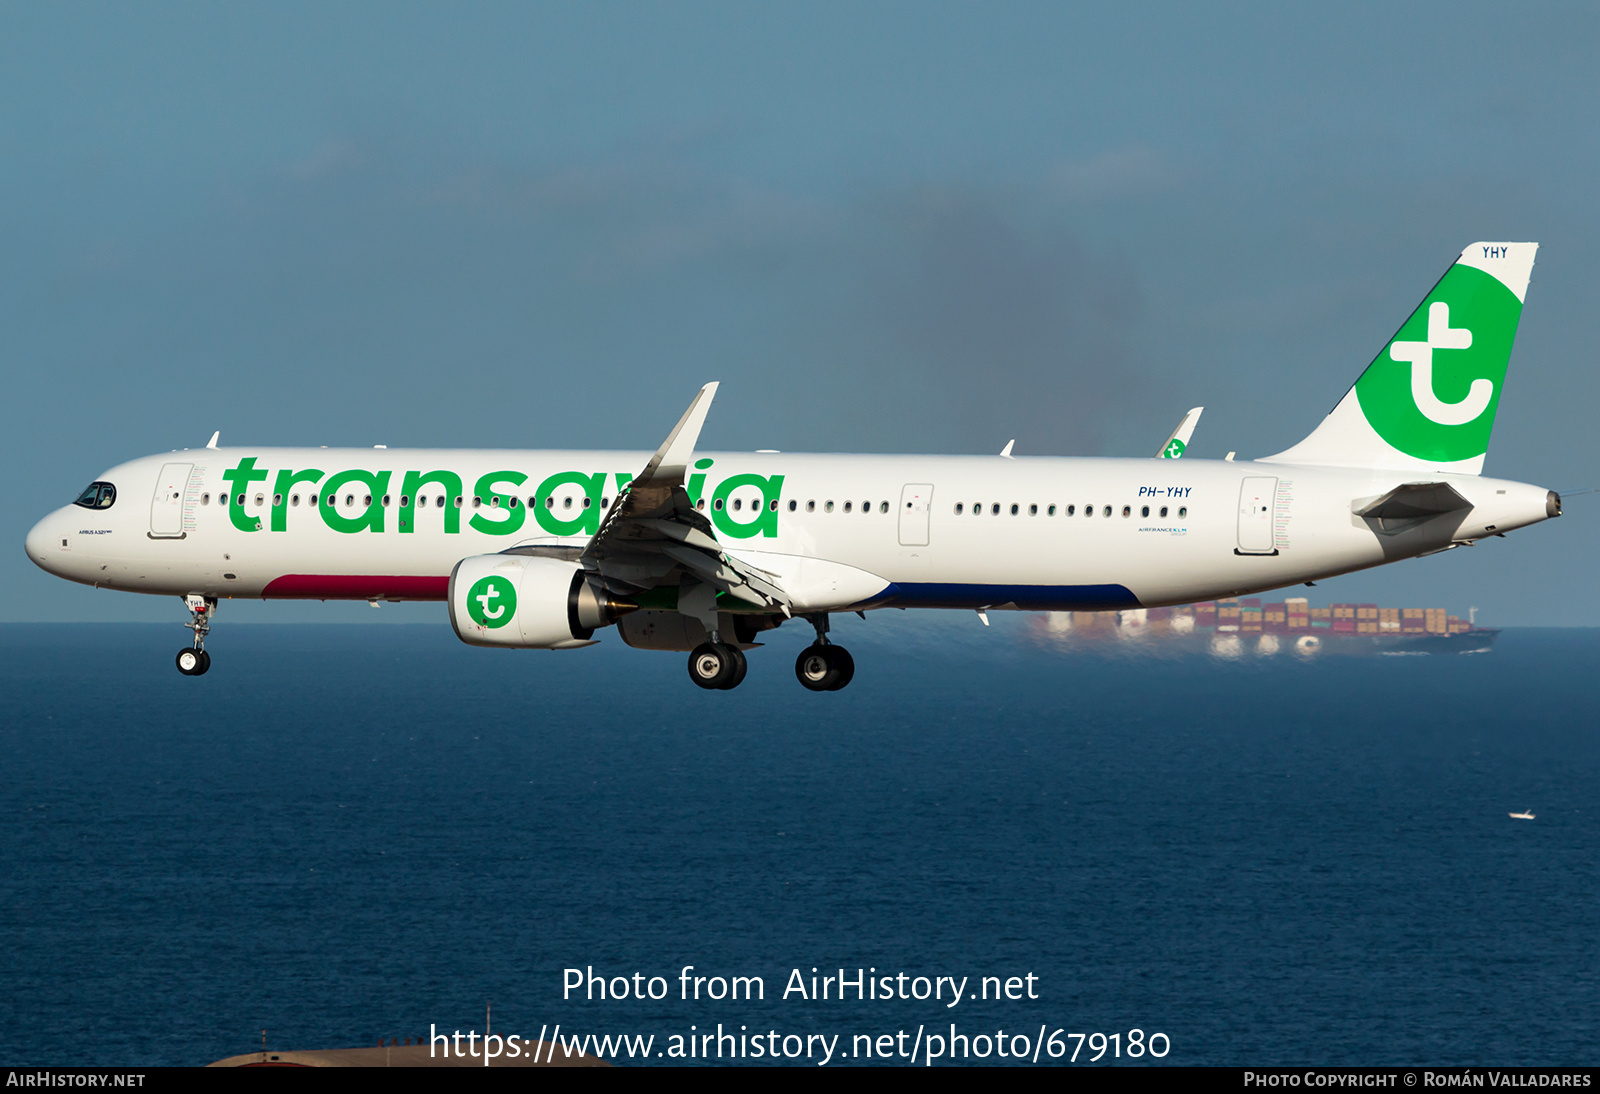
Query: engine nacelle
<point>528,601</point>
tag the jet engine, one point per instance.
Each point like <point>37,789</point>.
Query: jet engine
<point>528,601</point>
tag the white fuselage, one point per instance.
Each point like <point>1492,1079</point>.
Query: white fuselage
<point>847,531</point>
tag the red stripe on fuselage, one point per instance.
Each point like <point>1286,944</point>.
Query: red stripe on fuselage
<point>355,587</point>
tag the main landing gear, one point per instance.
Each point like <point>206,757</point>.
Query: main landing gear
<point>824,666</point>
<point>717,666</point>
<point>720,666</point>
<point>195,660</point>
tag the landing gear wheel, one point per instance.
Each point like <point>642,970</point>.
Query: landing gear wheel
<point>740,667</point>
<point>824,668</point>
<point>844,665</point>
<point>712,665</point>
<point>192,662</point>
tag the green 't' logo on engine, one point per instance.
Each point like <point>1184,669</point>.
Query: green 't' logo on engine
<point>1433,391</point>
<point>492,601</point>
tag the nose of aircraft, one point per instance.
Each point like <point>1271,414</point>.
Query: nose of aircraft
<point>44,542</point>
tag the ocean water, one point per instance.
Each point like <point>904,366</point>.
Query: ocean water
<point>346,833</point>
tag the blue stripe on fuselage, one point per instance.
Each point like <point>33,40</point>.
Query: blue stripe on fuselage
<point>1050,598</point>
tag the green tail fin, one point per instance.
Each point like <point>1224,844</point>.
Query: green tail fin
<point>1427,402</point>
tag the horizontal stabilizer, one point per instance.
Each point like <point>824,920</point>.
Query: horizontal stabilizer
<point>1410,504</point>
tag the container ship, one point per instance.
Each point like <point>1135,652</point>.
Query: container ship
<point>1240,628</point>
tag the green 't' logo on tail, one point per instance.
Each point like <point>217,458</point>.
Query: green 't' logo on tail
<point>1433,391</point>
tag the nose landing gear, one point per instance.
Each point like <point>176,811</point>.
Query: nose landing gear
<point>195,660</point>
<point>824,666</point>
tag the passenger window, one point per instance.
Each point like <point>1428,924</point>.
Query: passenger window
<point>260,498</point>
<point>1072,510</point>
<point>277,500</point>
<point>958,508</point>
<point>1163,510</point>
<point>1183,510</point>
<point>774,505</point>
<point>811,507</point>
<point>866,507</point>
<point>1014,509</point>
<point>1107,511</point>
<point>511,501</point>
<point>566,502</point>
<point>605,503</point>
<point>793,505</point>
<point>1033,510</point>
<point>1088,510</point>
<point>827,506</point>
<point>366,501</point>
<point>386,501</point>
<point>477,501</point>
<point>550,502</point>
<point>494,501</point>
<point>717,505</point>
<point>405,500</point>
<point>458,501</point>
<point>996,510</point>
<point>700,506</point>
<point>205,499</point>
<point>737,504</point>
<point>312,500</point>
<point>846,507</point>
<point>1052,511</point>
<point>1145,511</point>
<point>587,501</point>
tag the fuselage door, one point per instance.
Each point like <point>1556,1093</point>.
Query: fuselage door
<point>915,499</point>
<point>166,507</point>
<point>1256,496</point>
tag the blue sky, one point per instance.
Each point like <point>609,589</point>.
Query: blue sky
<point>888,227</point>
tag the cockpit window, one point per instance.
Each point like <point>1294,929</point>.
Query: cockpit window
<point>98,495</point>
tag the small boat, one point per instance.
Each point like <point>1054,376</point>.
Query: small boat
<point>1524,815</point>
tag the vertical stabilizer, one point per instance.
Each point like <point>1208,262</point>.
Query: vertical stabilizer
<point>1427,402</point>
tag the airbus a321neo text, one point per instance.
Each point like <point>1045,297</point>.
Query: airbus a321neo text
<point>703,551</point>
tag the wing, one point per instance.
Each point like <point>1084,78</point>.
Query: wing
<point>653,536</point>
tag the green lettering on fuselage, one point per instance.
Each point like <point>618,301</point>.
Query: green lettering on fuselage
<point>586,521</point>
<point>511,514</point>
<point>239,480</point>
<point>766,519</point>
<point>499,512</point>
<point>411,486</point>
<point>280,495</point>
<point>374,484</point>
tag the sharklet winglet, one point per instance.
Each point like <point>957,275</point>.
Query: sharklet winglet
<point>671,460</point>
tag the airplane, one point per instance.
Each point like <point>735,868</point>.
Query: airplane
<point>701,552</point>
